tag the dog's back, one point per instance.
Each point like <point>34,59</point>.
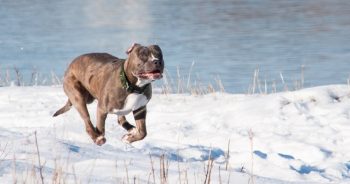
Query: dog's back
<point>90,72</point>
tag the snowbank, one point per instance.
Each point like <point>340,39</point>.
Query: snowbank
<point>298,137</point>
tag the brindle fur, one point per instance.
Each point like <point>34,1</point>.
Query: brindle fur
<point>96,76</point>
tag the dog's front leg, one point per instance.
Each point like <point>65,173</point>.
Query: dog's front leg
<point>100,126</point>
<point>125,124</point>
<point>139,132</point>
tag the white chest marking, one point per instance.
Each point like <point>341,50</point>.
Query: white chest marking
<point>143,82</point>
<point>132,102</point>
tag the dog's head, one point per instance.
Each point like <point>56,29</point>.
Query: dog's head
<point>145,62</point>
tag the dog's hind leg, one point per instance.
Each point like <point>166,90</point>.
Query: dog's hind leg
<point>100,125</point>
<point>64,109</point>
<point>77,96</point>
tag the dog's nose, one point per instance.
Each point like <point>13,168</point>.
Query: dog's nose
<point>157,62</point>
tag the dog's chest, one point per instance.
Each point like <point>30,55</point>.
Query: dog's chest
<point>132,102</point>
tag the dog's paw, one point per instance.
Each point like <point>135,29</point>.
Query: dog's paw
<point>100,140</point>
<point>126,138</point>
<point>132,131</point>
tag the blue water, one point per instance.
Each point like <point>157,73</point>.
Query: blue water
<point>225,38</point>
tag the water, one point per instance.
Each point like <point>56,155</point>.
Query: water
<point>225,38</point>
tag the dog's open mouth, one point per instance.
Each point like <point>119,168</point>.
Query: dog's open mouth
<point>152,75</point>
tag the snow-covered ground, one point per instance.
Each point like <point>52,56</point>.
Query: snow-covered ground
<point>296,137</point>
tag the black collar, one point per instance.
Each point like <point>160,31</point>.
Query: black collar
<point>128,86</point>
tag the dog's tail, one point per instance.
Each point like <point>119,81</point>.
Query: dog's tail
<point>64,109</point>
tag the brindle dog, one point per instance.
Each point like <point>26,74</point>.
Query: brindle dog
<point>120,86</point>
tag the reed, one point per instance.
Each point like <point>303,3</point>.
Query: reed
<point>39,160</point>
<point>190,84</point>
<point>259,86</point>
<point>251,173</point>
<point>62,174</point>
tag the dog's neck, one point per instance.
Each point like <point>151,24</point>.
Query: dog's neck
<point>132,78</point>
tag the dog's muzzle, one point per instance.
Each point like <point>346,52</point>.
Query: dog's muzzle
<point>152,75</point>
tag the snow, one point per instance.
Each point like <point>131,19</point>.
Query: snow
<point>296,137</point>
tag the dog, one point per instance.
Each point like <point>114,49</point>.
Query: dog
<point>120,86</point>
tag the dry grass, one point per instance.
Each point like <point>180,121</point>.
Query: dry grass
<point>14,77</point>
<point>251,173</point>
<point>208,169</point>
<point>3,151</point>
<point>39,160</point>
<point>63,171</point>
<point>259,86</point>
<point>186,84</point>
<point>170,85</point>
<point>182,82</point>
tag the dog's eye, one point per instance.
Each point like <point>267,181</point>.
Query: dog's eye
<point>158,56</point>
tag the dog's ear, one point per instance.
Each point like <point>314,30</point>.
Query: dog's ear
<point>134,45</point>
